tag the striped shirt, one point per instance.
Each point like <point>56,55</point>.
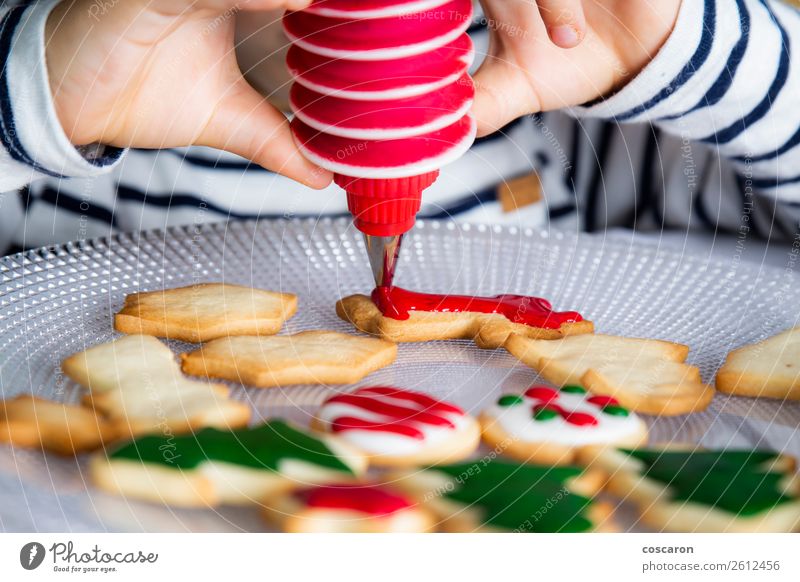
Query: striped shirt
<point>707,136</point>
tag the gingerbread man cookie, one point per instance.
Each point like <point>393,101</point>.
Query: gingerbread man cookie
<point>396,427</point>
<point>550,426</point>
<point>344,508</point>
<point>400,315</point>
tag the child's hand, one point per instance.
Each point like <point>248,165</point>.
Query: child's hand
<point>556,53</point>
<point>163,73</point>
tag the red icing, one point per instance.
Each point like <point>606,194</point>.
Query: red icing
<point>396,303</point>
<point>370,404</point>
<point>420,410</point>
<point>576,418</point>
<point>369,499</point>
<point>542,393</point>
<point>345,423</point>
<point>603,401</point>
<point>403,109</point>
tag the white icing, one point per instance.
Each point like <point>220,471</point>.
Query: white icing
<point>384,443</point>
<point>518,422</point>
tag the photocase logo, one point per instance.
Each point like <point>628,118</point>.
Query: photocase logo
<point>31,555</point>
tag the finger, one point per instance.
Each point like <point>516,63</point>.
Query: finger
<point>502,94</point>
<point>237,5</point>
<point>245,124</point>
<point>565,21</point>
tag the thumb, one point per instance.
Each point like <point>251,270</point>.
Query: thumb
<point>244,123</point>
<point>502,94</point>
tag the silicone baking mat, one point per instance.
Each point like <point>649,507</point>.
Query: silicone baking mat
<point>59,300</point>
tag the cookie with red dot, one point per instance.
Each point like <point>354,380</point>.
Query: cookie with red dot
<point>348,508</point>
<point>551,426</point>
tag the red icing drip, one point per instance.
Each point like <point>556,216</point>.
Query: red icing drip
<point>603,401</point>
<point>369,499</point>
<point>396,303</point>
<point>576,418</point>
<point>542,393</point>
<point>420,409</point>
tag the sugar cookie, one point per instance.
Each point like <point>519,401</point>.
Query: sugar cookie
<point>359,508</point>
<point>400,428</point>
<point>309,357</point>
<point>549,426</point>
<point>205,311</point>
<point>492,495</point>
<point>705,491</point>
<point>212,466</point>
<point>405,316</point>
<point>137,383</point>
<point>30,421</point>
<point>645,375</point>
<point>770,368</point>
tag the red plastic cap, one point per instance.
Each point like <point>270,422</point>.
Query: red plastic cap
<point>385,207</point>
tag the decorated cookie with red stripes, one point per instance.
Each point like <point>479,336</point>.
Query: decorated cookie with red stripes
<point>397,427</point>
<point>550,425</point>
<point>347,508</point>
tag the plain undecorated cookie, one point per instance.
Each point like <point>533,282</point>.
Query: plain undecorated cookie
<point>399,428</point>
<point>769,369</point>
<point>705,491</point>
<point>358,508</point>
<point>488,330</point>
<point>493,495</point>
<point>212,466</point>
<point>648,376</point>
<point>309,357</point>
<point>136,383</point>
<point>205,311</point>
<point>551,427</point>
<point>33,422</point>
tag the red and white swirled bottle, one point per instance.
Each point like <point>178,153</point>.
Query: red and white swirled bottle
<point>381,98</point>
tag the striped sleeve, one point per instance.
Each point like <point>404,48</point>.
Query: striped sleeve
<point>729,77</point>
<point>32,142</point>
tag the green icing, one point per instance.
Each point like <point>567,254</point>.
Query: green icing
<point>738,482</point>
<point>572,389</point>
<point>260,447</point>
<point>615,410</point>
<point>510,400</point>
<point>544,413</point>
<point>514,496</point>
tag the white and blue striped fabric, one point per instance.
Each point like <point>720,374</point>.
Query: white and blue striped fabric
<point>707,136</point>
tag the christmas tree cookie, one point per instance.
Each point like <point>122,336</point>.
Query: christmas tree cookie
<point>706,491</point>
<point>550,426</point>
<point>216,466</point>
<point>492,495</point>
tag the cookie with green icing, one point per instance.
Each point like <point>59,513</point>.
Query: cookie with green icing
<point>213,466</point>
<point>499,495</point>
<point>703,490</point>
